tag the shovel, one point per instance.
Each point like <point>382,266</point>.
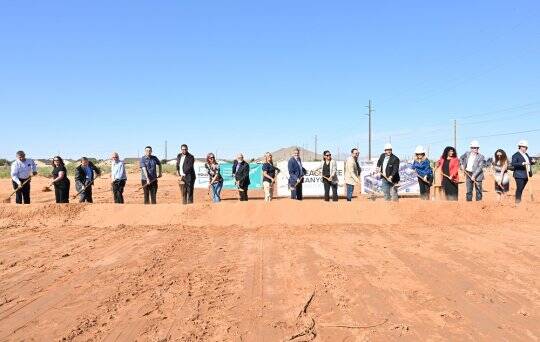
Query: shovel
<point>528,169</point>
<point>475,183</point>
<point>84,188</point>
<point>8,200</point>
<point>147,184</point>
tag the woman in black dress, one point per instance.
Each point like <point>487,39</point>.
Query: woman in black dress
<point>449,164</point>
<point>60,181</point>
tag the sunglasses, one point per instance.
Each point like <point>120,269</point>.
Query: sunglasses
<point>211,157</point>
<point>327,155</point>
<point>56,160</point>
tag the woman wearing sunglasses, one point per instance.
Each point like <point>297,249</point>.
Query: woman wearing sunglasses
<point>216,180</point>
<point>329,176</point>
<point>423,169</point>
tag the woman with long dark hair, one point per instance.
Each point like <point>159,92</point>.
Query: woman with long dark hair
<point>449,164</point>
<point>216,180</point>
<point>500,169</point>
<point>60,180</point>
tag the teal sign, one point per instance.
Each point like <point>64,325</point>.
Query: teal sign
<point>255,176</point>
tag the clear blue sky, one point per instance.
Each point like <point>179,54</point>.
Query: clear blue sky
<point>90,77</point>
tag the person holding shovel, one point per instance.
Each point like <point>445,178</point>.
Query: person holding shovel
<point>22,171</point>
<point>449,165</point>
<point>241,176</point>
<point>296,175</point>
<point>521,162</point>
<point>150,172</point>
<point>500,173</point>
<point>472,163</point>
<point>329,176</point>
<point>85,174</point>
<point>118,178</point>
<point>423,169</point>
<point>352,173</point>
<point>388,166</point>
<point>269,177</point>
<point>185,169</point>
<point>60,181</point>
<point>216,180</point>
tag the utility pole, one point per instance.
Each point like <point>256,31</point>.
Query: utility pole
<point>370,110</point>
<point>315,158</point>
<point>390,139</point>
<point>166,150</point>
<point>455,134</point>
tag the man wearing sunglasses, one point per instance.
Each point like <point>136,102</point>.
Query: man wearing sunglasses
<point>472,163</point>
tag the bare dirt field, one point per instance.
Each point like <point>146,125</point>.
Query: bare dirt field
<point>280,271</point>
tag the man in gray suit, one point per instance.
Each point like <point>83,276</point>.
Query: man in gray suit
<point>472,164</point>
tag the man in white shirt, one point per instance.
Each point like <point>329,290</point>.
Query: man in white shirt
<point>472,163</point>
<point>118,178</point>
<point>22,170</point>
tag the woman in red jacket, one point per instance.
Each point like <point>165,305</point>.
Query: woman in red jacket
<point>449,164</point>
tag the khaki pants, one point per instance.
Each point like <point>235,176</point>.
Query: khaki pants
<point>268,191</point>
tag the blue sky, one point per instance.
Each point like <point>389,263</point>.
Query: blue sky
<point>85,78</point>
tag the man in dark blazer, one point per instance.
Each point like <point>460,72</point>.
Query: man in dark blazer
<point>85,174</point>
<point>296,175</point>
<point>521,162</point>
<point>240,173</point>
<point>185,170</point>
<point>388,166</point>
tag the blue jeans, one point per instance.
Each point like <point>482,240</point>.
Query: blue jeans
<point>389,190</point>
<point>216,191</point>
<point>350,190</point>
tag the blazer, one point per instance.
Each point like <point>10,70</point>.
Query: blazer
<point>392,168</point>
<point>333,170</point>
<point>352,172</point>
<point>80,175</point>
<point>520,170</point>
<point>295,172</point>
<point>188,168</point>
<point>242,173</point>
<point>453,167</point>
<point>478,165</point>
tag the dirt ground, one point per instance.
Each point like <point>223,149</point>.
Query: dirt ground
<point>255,271</point>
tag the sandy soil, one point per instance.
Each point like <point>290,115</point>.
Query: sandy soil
<point>360,271</point>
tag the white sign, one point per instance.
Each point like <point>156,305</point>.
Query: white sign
<point>313,185</point>
<point>372,182</point>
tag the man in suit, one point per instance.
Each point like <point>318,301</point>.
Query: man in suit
<point>472,163</point>
<point>388,165</point>
<point>352,173</point>
<point>185,170</point>
<point>85,174</point>
<point>296,175</point>
<point>241,176</point>
<point>521,162</point>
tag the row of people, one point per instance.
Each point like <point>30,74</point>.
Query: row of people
<point>472,163</point>
<point>448,165</point>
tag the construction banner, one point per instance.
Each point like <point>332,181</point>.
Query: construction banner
<point>372,182</point>
<point>255,176</point>
<point>313,185</point>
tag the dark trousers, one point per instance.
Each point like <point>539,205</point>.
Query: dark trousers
<point>425,188</point>
<point>23,195</point>
<point>150,192</point>
<point>296,192</point>
<point>86,195</point>
<point>61,192</point>
<point>520,186</point>
<point>187,192</point>
<point>327,186</point>
<point>243,194</point>
<point>118,190</point>
<point>450,189</point>
<point>473,186</point>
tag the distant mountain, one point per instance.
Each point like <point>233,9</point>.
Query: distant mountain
<point>286,153</point>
